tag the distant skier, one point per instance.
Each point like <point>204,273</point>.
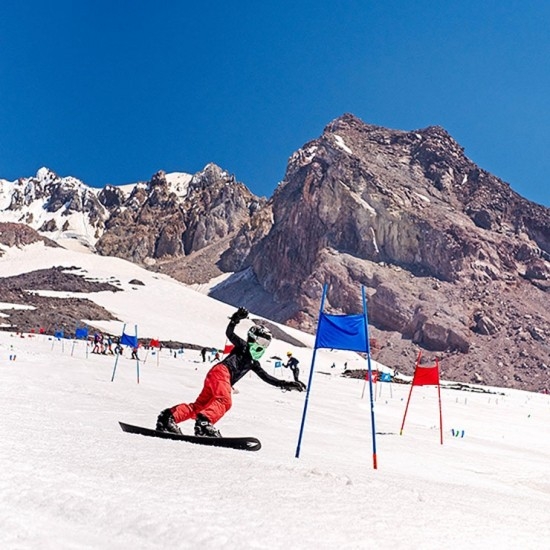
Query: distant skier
<point>98,338</point>
<point>215,398</point>
<point>292,364</point>
<point>118,347</point>
<point>108,349</point>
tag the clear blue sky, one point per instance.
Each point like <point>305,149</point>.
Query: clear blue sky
<point>112,91</point>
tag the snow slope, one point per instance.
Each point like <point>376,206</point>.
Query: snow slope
<point>70,478</point>
<point>161,306</point>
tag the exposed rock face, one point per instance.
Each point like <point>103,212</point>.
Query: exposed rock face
<point>111,197</point>
<point>47,312</point>
<point>17,234</point>
<point>154,223</point>
<point>216,206</point>
<point>168,217</point>
<point>59,279</point>
<point>453,260</point>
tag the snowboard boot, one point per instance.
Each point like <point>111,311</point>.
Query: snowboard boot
<point>166,423</point>
<point>204,428</point>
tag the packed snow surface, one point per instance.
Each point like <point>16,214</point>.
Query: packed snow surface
<point>71,479</point>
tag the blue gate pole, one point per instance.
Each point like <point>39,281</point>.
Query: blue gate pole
<point>373,426</point>
<point>116,359</point>
<point>137,360</point>
<point>310,380</point>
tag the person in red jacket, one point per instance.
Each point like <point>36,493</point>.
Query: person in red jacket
<point>215,398</point>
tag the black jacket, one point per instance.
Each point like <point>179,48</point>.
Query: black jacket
<point>239,361</point>
<point>292,363</point>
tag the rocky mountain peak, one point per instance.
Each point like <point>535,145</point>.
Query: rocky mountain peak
<point>157,224</point>
<point>159,179</point>
<point>454,262</point>
<point>45,175</point>
<point>53,205</point>
<point>210,175</point>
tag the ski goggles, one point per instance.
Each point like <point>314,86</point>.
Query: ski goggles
<point>256,350</point>
<point>262,341</point>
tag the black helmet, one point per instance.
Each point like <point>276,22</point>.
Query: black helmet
<point>260,335</point>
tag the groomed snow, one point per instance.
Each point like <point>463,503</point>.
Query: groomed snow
<point>70,478</point>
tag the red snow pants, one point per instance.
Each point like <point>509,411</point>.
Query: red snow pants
<point>213,401</point>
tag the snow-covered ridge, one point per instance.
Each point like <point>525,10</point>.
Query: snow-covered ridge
<point>65,209</point>
<point>57,207</point>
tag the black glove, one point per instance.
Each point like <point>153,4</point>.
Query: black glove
<point>239,315</point>
<point>298,386</point>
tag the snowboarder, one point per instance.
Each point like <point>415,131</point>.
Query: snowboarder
<point>215,398</point>
<point>292,364</point>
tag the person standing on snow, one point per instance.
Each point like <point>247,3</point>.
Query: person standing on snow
<point>97,343</point>
<point>135,352</point>
<point>292,364</point>
<point>215,399</point>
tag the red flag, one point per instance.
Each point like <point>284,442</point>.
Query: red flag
<point>426,375</point>
<point>228,348</point>
<point>154,343</point>
<point>374,376</point>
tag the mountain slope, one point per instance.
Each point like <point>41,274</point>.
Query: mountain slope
<point>454,261</point>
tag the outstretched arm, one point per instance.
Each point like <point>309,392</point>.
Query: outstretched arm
<point>277,382</point>
<point>234,320</point>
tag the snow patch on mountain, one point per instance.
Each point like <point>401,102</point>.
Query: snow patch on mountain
<point>340,142</point>
<point>65,209</point>
<point>179,183</point>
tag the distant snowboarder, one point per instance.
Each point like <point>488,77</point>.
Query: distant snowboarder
<point>292,364</point>
<point>215,398</point>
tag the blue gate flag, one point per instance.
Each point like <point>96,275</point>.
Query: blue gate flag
<point>346,332</point>
<point>127,340</point>
<point>342,332</point>
<point>385,377</point>
<point>81,333</point>
<point>58,334</point>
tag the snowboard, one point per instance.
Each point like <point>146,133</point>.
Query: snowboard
<point>241,443</point>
